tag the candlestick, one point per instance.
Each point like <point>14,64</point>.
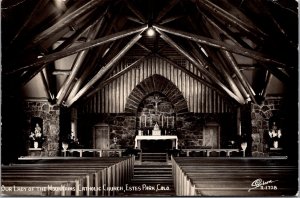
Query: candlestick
<point>140,121</point>
<point>145,120</point>
<point>162,120</point>
<point>150,121</point>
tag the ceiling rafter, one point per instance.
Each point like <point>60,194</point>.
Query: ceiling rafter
<point>226,32</point>
<point>190,73</point>
<point>117,75</point>
<point>135,11</point>
<point>57,55</point>
<point>231,61</point>
<point>104,54</point>
<point>230,18</point>
<point>32,15</point>
<point>77,63</point>
<point>171,19</point>
<point>226,76</point>
<point>169,6</point>
<point>204,71</point>
<point>46,86</point>
<point>276,23</point>
<point>86,27</point>
<point>221,45</point>
<point>93,60</point>
<point>102,71</point>
<point>136,20</point>
<point>66,19</point>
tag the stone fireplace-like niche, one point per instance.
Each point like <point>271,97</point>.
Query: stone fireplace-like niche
<point>156,109</point>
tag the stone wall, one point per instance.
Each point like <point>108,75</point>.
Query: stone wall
<point>50,116</point>
<point>188,127</point>
<point>123,128</point>
<point>261,116</point>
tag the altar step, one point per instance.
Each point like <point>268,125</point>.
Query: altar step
<point>154,157</point>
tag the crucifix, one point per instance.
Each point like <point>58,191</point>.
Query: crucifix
<point>156,100</point>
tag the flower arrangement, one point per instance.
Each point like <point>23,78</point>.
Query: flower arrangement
<point>274,135</point>
<point>37,134</point>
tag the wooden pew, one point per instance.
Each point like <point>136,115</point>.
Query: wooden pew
<point>234,177</point>
<point>75,173</point>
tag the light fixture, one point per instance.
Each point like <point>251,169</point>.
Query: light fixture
<point>150,32</point>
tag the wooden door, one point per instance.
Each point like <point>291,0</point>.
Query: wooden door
<point>211,136</point>
<point>101,136</point>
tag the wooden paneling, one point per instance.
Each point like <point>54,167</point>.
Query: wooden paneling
<point>113,97</point>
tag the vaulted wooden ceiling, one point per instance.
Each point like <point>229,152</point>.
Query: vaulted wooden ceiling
<point>68,48</point>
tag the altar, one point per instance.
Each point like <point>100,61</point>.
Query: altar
<point>139,138</point>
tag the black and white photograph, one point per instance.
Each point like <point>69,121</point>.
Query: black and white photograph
<point>149,98</point>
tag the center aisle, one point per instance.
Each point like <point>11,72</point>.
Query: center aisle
<point>150,179</point>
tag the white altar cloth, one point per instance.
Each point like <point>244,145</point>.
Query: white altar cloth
<point>138,139</point>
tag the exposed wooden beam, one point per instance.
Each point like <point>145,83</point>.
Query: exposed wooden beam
<point>231,60</point>
<point>64,45</point>
<point>102,71</point>
<point>77,64</point>
<point>200,67</point>
<point>247,27</point>
<point>221,45</point>
<point>94,59</point>
<point>46,86</point>
<point>61,72</point>
<point>166,9</point>
<point>117,75</point>
<point>171,19</point>
<point>239,42</point>
<point>222,70</point>
<point>135,11</point>
<point>66,19</point>
<point>86,27</point>
<point>136,20</point>
<point>268,79</point>
<point>144,47</point>
<point>193,75</point>
<point>267,11</point>
<point>40,4</point>
<point>58,55</point>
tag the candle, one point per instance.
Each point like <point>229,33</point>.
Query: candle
<point>145,120</point>
<point>162,120</point>
<point>140,121</point>
<point>173,121</point>
<point>150,121</point>
<point>167,121</point>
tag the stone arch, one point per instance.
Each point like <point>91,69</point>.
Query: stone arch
<point>156,83</point>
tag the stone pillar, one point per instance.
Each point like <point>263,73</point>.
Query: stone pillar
<point>50,116</point>
<point>260,116</point>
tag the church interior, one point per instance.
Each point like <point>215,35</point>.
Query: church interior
<point>143,97</point>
